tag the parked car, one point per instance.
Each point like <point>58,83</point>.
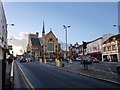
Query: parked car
<point>22,60</point>
<point>94,60</point>
<point>78,58</point>
<point>118,68</point>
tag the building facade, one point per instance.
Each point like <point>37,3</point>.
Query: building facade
<point>75,50</point>
<point>45,47</point>
<point>3,43</point>
<point>94,48</point>
<point>111,49</point>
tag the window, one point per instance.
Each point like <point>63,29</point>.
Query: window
<point>113,47</point>
<point>50,46</point>
<point>98,47</point>
<point>105,49</point>
<point>109,48</point>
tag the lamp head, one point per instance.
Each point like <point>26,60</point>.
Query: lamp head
<point>64,26</point>
<point>114,25</point>
<point>12,24</point>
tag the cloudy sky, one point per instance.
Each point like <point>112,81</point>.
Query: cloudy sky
<point>88,20</point>
<point>19,43</point>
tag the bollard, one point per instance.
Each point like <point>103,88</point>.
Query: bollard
<point>55,60</point>
<point>44,60</point>
<point>58,63</point>
<point>40,60</point>
<point>70,61</point>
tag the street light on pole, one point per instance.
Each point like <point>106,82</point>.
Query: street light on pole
<point>7,30</point>
<point>12,24</point>
<point>65,27</point>
<point>118,28</point>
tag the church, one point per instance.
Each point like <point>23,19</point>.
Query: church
<point>45,47</point>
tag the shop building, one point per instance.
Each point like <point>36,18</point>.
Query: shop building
<point>111,49</point>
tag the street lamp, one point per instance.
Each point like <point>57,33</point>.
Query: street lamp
<point>7,30</point>
<point>118,28</point>
<point>65,27</point>
<point>11,24</point>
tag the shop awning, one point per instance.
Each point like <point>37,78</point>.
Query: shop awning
<point>95,53</point>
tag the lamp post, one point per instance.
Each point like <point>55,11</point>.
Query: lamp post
<point>11,24</point>
<point>7,30</point>
<point>118,28</point>
<point>65,27</point>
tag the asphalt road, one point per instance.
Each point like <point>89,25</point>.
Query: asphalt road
<point>36,75</point>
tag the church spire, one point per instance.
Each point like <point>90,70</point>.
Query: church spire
<point>43,28</point>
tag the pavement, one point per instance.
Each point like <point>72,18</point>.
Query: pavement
<point>39,75</point>
<point>91,72</point>
<point>7,79</point>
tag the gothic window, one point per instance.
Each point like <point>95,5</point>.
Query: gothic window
<point>50,46</point>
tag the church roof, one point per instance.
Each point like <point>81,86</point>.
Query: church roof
<point>35,41</point>
<point>50,33</point>
<point>112,38</point>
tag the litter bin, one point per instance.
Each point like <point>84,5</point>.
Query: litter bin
<point>63,64</point>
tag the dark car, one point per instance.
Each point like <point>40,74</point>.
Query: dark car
<point>22,60</point>
<point>118,68</point>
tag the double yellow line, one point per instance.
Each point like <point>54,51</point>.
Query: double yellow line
<point>26,80</point>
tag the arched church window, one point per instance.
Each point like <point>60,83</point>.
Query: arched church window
<point>50,46</point>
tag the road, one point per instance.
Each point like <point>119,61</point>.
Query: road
<point>37,75</point>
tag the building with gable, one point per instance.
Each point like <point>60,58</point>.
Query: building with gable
<point>111,49</point>
<point>45,47</point>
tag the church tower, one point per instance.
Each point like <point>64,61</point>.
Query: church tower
<point>43,31</point>
<point>43,40</point>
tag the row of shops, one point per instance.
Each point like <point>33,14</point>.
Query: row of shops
<point>105,48</point>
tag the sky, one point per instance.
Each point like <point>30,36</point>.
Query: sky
<point>88,20</point>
